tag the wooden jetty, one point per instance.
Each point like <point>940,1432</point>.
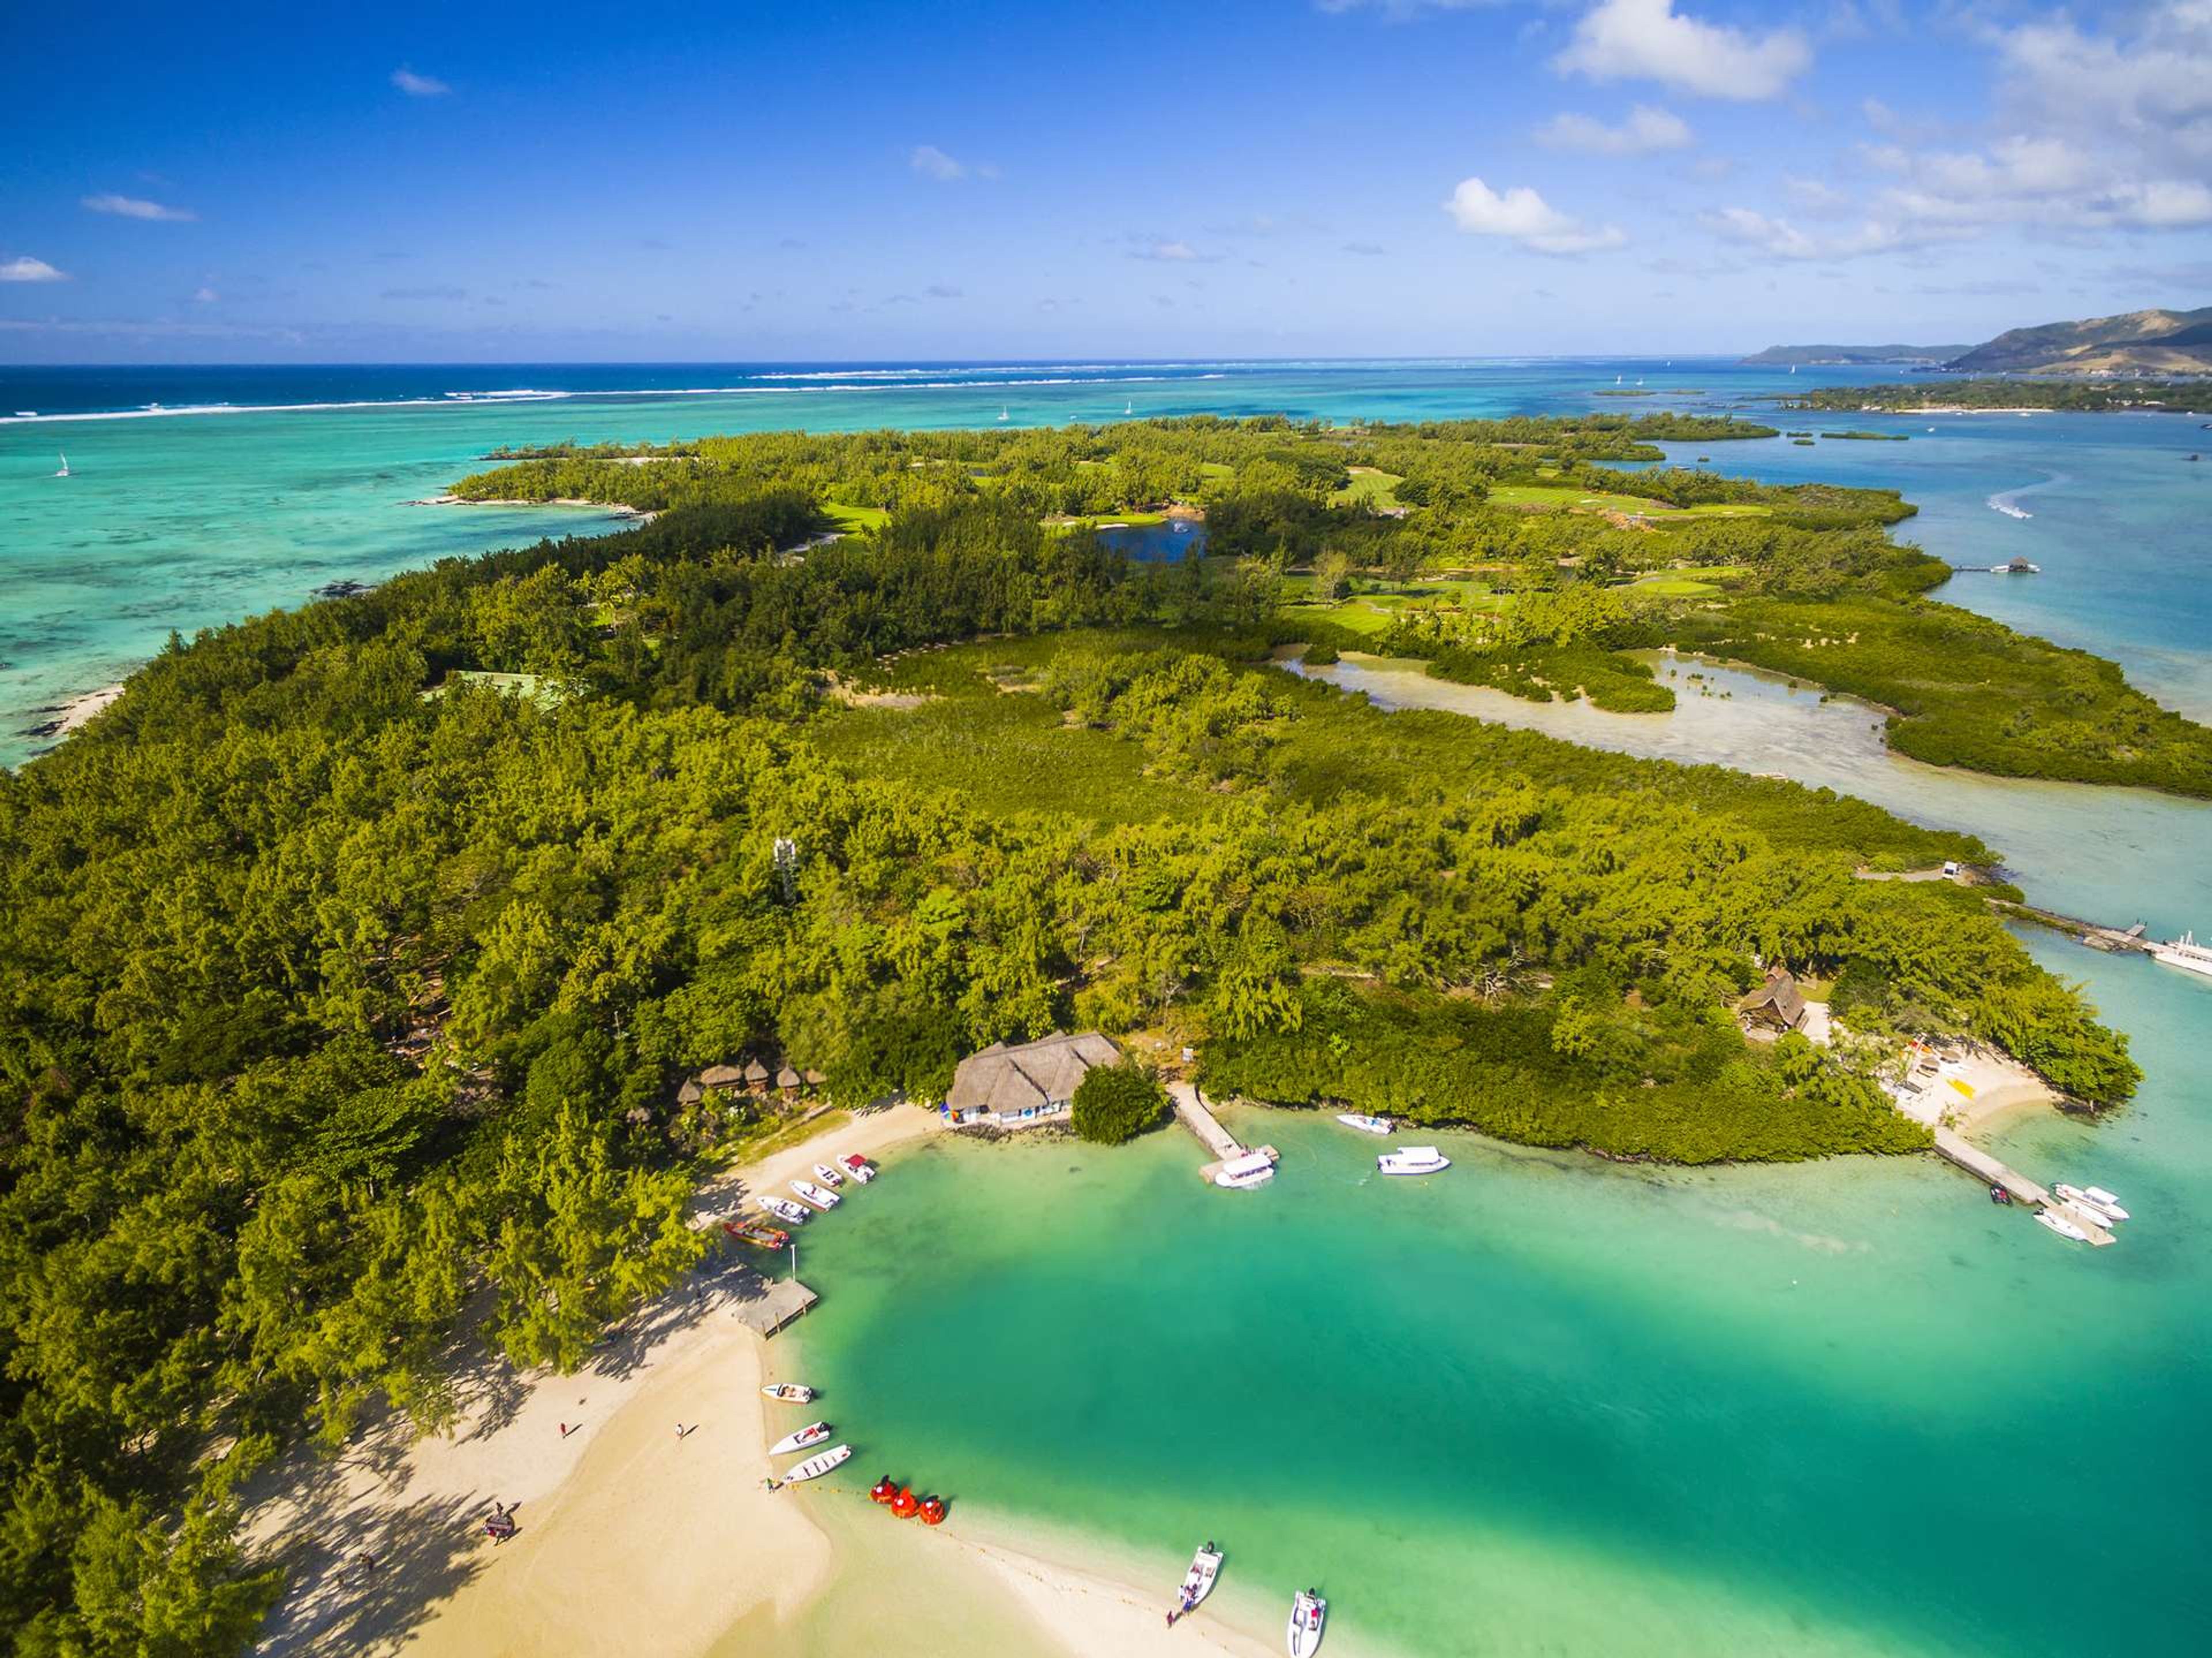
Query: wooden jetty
<point>1952,1148</point>
<point>1190,1109</point>
<point>764,1305</point>
<point>2092,934</point>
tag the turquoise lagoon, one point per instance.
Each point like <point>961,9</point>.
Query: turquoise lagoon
<point>1542,1405</point>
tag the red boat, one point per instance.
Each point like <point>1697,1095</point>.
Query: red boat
<point>883,1490</point>
<point>755,1233</point>
<point>932,1510</point>
<point>906,1504</point>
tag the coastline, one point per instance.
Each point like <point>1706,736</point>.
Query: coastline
<point>613,509</point>
<point>76,714</point>
<point>634,1537</point>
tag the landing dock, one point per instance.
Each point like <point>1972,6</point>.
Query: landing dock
<point>1190,1108</point>
<point>764,1305</point>
<point>1955,1149</point>
<point>2097,937</point>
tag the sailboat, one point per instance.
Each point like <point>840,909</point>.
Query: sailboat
<point>1616,380</point>
<point>1002,412</point>
<point>1128,409</point>
<point>65,472</point>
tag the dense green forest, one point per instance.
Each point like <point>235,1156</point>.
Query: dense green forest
<point>340,1018</point>
<point>2092,397</point>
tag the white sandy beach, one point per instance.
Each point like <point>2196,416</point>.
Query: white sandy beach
<point>1971,1093</point>
<point>633,1538</point>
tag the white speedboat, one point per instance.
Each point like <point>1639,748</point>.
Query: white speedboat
<point>859,1168</point>
<point>784,1209</point>
<point>1198,1581</point>
<point>1412,1160</point>
<point>813,1434</point>
<point>1365,1124</point>
<point>1253,1168</point>
<point>2103,1199</point>
<point>828,1176</point>
<point>820,1197</point>
<point>815,1467</point>
<point>2108,1211</point>
<point>1308,1613</point>
<point>789,1393</point>
<point>2059,1223</point>
<point>2185,952</point>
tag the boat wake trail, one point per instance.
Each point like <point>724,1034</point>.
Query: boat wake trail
<point>2008,501</point>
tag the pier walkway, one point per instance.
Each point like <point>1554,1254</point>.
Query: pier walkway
<point>1191,1108</point>
<point>1983,1167</point>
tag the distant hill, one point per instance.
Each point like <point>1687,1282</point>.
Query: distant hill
<point>2138,342</point>
<point>1832,354</point>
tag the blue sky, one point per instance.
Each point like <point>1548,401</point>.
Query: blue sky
<point>1216,177</point>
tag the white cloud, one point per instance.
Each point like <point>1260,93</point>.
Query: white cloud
<point>932,162</point>
<point>1649,40</point>
<point>1781,239</point>
<point>1525,218</point>
<point>205,296</point>
<point>1646,130</point>
<point>133,207</point>
<point>418,86</point>
<point>26,268</point>
<point>1171,253</point>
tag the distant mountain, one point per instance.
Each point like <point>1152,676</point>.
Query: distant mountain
<point>1832,354</point>
<point>2139,342</point>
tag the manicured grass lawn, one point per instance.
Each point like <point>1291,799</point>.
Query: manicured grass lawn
<point>1564,497</point>
<point>1372,486</point>
<point>858,518</point>
<point>1373,612</point>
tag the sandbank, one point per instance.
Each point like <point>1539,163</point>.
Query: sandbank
<point>613,508</point>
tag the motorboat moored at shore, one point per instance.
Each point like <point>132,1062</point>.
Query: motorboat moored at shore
<point>1412,1160</point>
<point>784,1209</point>
<point>815,1467</point>
<point>759,1235</point>
<point>1198,1581</point>
<point>813,1434</point>
<point>2106,1209</point>
<point>789,1393</point>
<point>828,1176</point>
<point>821,1197</point>
<point>1363,1123</point>
<point>2184,952</point>
<point>2059,1223</point>
<point>859,1167</point>
<point>1309,1611</point>
<point>1253,1168</point>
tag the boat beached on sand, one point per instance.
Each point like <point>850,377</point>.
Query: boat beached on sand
<point>1412,1160</point>
<point>784,1209</point>
<point>815,1467</point>
<point>828,1176</point>
<point>789,1393</point>
<point>859,1167</point>
<point>1365,1124</point>
<point>821,1197</point>
<point>1308,1613</point>
<point>813,1434</point>
<point>1198,1581</point>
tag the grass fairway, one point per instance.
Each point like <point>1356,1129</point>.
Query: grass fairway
<point>858,518</point>
<point>1371,487</point>
<point>1374,613</point>
<point>1565,498</point>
